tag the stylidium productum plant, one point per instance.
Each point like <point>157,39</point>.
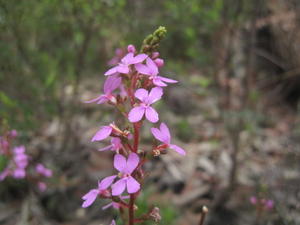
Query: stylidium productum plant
<point>16,163</point>
<point>132,86</point>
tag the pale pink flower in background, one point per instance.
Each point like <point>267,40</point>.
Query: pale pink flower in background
<point>42,170</point>
<point>115,145</point>
<point>163,135</point>
<point>119,53</point>
<point>111,84</point>
<point>137,113</point>
<point>253,200</point>
<point>113,222</point>
<point>151,69</point>
<point>115,205</point>
<point>42,186</point>
<point>123,66</point>
<point>125,167</point>
<point>91,196</point>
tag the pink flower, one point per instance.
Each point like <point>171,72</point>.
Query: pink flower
<point>119,53</point>
<point>125,168</point>
<point>42,186</point>
<point>91,196</point>
<point>123,66</point>
<point>163,135</point>
<point>269,204</point>
<point>19,173</point>
<point>146,99</point>
<point>131,48</point>
<point>20,157</point>
<point>115,205</point>
<point>111,83</point>
<point>4,174</point>
<point>113,222</point>
<point>253,200</point>
<point>42,170</point>
<point>102,133</point>
<point>116,145</point>
<point>152,70</point>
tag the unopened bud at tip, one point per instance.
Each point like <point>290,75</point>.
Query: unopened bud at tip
<point>131,48</point>
<point>159,62</point>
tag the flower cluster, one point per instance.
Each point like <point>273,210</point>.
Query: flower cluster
<point>17,162</point>
<point>262,203</point>
<point>132,86</point>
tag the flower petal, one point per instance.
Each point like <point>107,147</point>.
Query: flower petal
<point>103,133</point>
<point>107,206</point>
<point>151,114</point>
<point>118,187</point>
<point>94,99</point>
<point>111,71</point>
<point>138,59</point>
<point>123,69</point>
<point>106,182</point>
<point>112,83</point>
<point>89,198</point>
<point>132,185</point>
<point>119,162</point>
<point>152,66</point>
<point>168,80</point>
<point>159,135</point>
<point>158,82</point>
<point>127,58</point>
<point>141,68</point>
<point>155,94</point>
<point>178,149</point>
<point>165,131</point>
<point>132,162</point>
<point>136,114</point>
<point>109,147</point>
<point>141,94</point>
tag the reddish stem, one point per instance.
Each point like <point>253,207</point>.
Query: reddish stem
<point>131,210</point>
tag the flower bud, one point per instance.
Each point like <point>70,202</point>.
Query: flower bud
<point>131,48</point>
<point>155,215</point>
<point>159,62</point>
<point>155,55</point>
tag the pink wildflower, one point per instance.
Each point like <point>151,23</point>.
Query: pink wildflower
<point>131,48</point>
<point>152,70</point>
<point>163,135</point>
<point>115,145</point>
<point>253,200</point>
<point>91,196</point>
<point>42,170</point>
<point>42,186</point>
<point>125,168</point>
<point>123,66</point>
<point>113,222</point>
<point>115,205</point>
<point>111,83</point>
<point>146,99</point>
<point>119,53</point>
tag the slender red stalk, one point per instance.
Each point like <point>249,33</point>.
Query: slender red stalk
<point>131,210</point>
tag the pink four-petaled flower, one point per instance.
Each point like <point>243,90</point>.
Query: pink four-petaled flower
<point>126,61</point>
<point>125,167</point>
<point>137,113</point>
<point>91,196</point>
<point>163,135</point>
<point>151,69</point>
<point>111,83</point>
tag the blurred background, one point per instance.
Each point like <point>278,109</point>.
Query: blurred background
<point>235,109</point>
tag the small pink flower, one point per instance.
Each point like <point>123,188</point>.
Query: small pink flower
<point>20,157</point>
<point>152,70</point>
<point>113,222</point>
<point>123,66</point>
<point>159,62</point>
<point>163,135</point>
<point>115,205</point>
<point>42,170</point>
<point>125,168</point>
<point>19,173</point>
<point>269,204</point>
<point>131,48</point>
<point>102,133</point>
<point>137,113</point>
<point>91,196</point>
<point>119,53</point>
<point>115,145</point>
<point>253,200</point>
<point>42,186</point>
<point>111,83</point>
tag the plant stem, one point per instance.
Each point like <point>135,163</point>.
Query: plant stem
<point>203,214</point>
<point>131,210</point>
